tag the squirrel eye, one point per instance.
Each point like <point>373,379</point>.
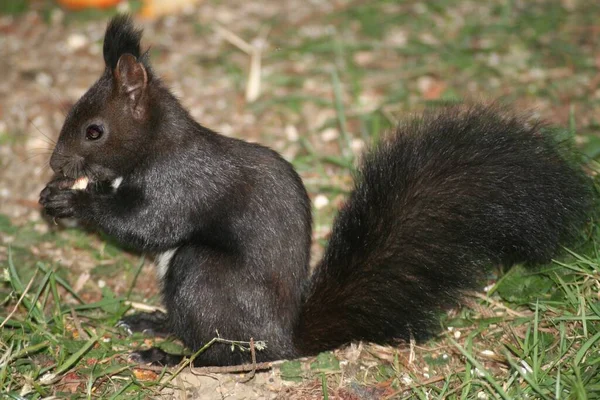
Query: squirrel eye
<point>94,132</point>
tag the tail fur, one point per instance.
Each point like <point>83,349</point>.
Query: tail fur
<point>449,194</point>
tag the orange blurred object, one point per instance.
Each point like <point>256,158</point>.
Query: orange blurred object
<point>156,8</point>
<point>79,4</point>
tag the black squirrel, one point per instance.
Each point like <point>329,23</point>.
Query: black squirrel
<point>435,203</point>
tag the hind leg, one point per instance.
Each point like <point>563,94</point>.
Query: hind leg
<point>152,324</point>
<point>155,356</point>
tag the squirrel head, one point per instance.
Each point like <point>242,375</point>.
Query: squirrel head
<point>105,133</point>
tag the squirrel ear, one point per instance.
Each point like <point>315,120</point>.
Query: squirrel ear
<point>132,79</point>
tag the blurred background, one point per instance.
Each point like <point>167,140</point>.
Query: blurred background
<point>316,80</point>
<point>301,76</point>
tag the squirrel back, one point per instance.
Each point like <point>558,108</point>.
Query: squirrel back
<point>435,203</point>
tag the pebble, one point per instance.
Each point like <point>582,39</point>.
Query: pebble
<point>397,38</point>
<point>424,83</point>
<point>76,41</point>
<point>321,201</point>
<point>291,133</point>
<point>44,79</point>
<point>329,135</point>
<point>357,145</point>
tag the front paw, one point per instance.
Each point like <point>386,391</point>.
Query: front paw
<point>63,203</point>
<point>61,183</point>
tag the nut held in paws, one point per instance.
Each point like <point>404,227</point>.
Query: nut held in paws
<point>80,183</point>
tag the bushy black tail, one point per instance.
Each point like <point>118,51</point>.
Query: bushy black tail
<point>449,194</point>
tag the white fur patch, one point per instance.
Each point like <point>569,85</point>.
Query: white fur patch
<point>117,182</point>
<point>162,262</point>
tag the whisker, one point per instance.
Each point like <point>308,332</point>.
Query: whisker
<point>59,101</point>
<point>63,110</point>
<point>42,133</point>
<point>88,172</point>
<point>48,151</point>
<point>30,157</point>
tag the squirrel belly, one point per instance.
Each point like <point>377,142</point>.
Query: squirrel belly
<point>435,203</point>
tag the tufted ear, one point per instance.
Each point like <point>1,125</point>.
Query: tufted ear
<point>132,81</point>
<point>121,37</point>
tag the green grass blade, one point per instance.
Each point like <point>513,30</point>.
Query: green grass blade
<point>480,367</point>
<point>63,283</point>
<point>69,362</point>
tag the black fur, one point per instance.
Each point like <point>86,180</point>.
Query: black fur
<point>121,38</point>
<point>434,204</point>
<point>443,198</point>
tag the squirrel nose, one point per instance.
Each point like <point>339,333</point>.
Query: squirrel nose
<point>56,165</point>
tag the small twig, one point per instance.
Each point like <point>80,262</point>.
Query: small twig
<point>145,307</point>
<point>109,359</point>
<point>82,333</point>
<point>254,50</point>
<point>20,300</point>
<point>218,370</point>
<point>253,372</point>
<point>188,362</point>
<point>253,87</point>
<point>234,368</point>
<point>234,39</point>
<point>499,305</point>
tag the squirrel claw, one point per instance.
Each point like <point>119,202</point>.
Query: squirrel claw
<point>136,357</point>
<point>123,325</point>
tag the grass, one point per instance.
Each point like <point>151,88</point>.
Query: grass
<point>532,334</point>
